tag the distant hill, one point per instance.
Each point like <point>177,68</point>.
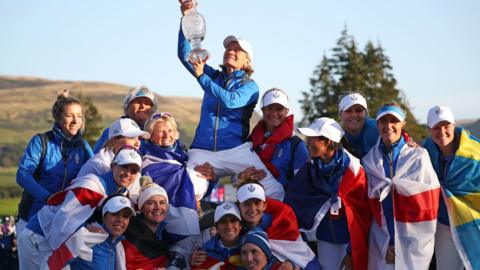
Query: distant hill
<point>26,105</point>
<point>471,125</point>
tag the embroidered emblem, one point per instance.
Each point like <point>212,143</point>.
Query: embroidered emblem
<point>280,153</point>
<point>134,124</point>
<point>227,206</point>
<point>439,110</point>
<point>123,200</point>
<point>251,188</point>
<point>354,97</point>
<point>276,94</point>
<point>133,154</point>
<point>140,94</point>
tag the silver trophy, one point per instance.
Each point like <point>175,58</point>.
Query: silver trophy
<point>194,28</point>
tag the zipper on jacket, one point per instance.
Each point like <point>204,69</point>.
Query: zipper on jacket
<point>65,159</point>
<point>215,131</point>
<point>390,162</point>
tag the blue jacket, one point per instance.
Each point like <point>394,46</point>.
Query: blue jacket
<point>55,174</point>
<point>103,257</point>
<point>282,159</point>
<point>365,140</point>
<point>215,249</point>
<point>227,105</point>
<point>390,156</point>
<point>101,141</point>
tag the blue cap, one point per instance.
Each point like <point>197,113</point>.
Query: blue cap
<point>393,110</point>
<point>259,238</point>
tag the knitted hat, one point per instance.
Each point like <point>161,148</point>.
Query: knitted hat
<point>259,238</point>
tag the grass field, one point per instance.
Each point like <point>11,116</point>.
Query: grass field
<point>8,207</point>
<point>7,178</point>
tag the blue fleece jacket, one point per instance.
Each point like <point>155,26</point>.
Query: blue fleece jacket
<point>227,105</point>
<point>63,159</point>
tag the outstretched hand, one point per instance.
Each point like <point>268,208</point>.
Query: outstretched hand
<point>198,64</point>
<point>198,257</point>
<point>206,171</point>
<point>250,173</point>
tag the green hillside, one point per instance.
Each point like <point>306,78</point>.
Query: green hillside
<point>26,104</point>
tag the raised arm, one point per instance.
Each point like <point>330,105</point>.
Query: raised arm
<point>184,47</point>
<point>244,93</point>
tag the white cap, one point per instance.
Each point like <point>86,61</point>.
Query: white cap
<point>245,45</point>
<point>324,126</point>
<point>116,204</point>
<point>149,191</point>
<point>128,155</point>
<point>139,92</point>
<point>226,208</point>
<point>275,95</point>
<point>350,100</point>
<point>250,191</point>
<point>438,114</point>
<point>126,127</point>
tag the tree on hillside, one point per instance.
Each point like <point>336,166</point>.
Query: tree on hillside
<point>350,70</point>
<point>92,119</point>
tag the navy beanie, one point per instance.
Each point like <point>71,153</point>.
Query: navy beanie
<point>260,238</point>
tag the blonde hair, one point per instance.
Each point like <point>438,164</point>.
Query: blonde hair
<point>249,68</point>
<point>162,117</point>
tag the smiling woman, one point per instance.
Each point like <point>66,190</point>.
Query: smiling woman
<point>145,246</point>
<point>400,174</point>
<point>52,159</point>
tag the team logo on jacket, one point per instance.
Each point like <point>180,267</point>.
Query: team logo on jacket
<point>280,153</point>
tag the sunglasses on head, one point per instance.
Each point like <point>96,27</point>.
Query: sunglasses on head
<point>162,114</point>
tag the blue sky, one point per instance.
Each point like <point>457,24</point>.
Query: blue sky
<point>434,46</point>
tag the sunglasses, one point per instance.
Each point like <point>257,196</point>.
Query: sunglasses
<point>161,114</point>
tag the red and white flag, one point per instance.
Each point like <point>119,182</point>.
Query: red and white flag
<point>284,235</point>
<point>415,192</point>
<point>66,211</point>
<point>78,245</point>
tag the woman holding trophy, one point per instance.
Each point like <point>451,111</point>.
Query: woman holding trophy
<point>230,96</point>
